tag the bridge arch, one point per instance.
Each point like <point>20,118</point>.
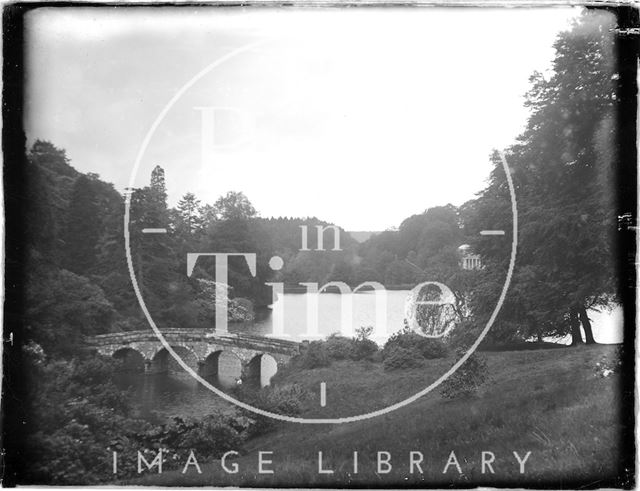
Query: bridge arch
<point>207,352</point>
<point>162,361</point>
<point>223,367</point>
<point>260,370</point>
<point>132,359</point>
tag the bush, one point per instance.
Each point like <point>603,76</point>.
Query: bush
<point>319,354</point>
<point>210,436</point>
<point>72,413</point>
<point>341,348</point>
<point>338,347</point>
<point>429,348</point>
<point>398,357</point>
<point>313,355</point>
<point>467,379</point>
<point>363,349</point>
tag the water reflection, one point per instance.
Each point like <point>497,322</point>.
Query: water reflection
<point>176,392</point>
<point>172,393</point>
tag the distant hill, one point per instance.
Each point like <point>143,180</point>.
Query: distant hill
<point>361,237</point>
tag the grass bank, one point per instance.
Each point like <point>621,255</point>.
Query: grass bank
<point>548,402</point>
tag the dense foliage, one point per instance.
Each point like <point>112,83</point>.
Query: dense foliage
<point>321,353</point>
<point>407,349</point>
<point>73,412</point>
<point>75,417</point>
<point>428,348</point>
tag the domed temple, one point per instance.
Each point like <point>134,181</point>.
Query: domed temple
<point>469,260</point>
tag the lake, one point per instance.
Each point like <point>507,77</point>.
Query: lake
<point>290,311</point>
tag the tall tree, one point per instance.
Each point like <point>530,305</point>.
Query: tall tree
<point>153,254</point>
<point>188,216</point>
<point>561,168</point>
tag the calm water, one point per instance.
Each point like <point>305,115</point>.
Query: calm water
<point>290,311</point>
<point>177,393</point>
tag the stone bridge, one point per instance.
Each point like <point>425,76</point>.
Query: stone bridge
<point>224,355</point>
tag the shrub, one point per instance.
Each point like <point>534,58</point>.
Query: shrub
<point>319,354</point>
<point>209,436</point>
<point>377,357</point>
<point>398,357</point>
<point>467,379</point>
<point>363,349</point>
<point>313,355</point>
<point>338,347</point>
<point>341,348</point>
<point>432,348</point>
<point>429,348</point>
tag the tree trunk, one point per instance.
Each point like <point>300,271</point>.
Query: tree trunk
<point>586,325</point>
<point>574,323</point>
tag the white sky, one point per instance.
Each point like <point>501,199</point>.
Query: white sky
<point>361,117</point>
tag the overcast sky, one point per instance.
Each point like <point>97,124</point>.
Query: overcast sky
<point>361,117</point>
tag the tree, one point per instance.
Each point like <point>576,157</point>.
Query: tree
<point>240,235</point>
<point>424,247</point>
<point>234,205</point>
<point>153,255</point>
<point>83,227</point>
<point>341,270</point>
<point>561,168</point>
<point>188,217</point>
<point>62,307</point>
<point>208,216</point>
<point>158,189</point>
<point>40,221</point>
<point>55,159</point>
<point>50,179</point>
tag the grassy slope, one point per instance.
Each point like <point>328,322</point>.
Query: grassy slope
<point>548,402</point>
